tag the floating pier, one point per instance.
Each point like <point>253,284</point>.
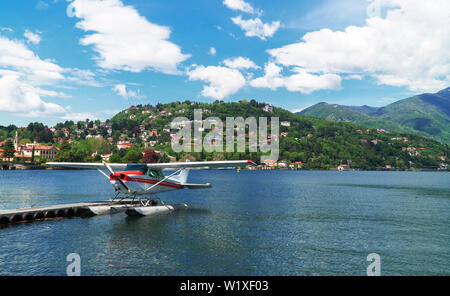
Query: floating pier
<point>84,209</point>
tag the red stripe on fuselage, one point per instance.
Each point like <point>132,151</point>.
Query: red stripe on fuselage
<point>152,181</point>
<point>124,176</point>
<point>131,173</point>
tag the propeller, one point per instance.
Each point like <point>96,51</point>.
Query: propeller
<point>112,173</point>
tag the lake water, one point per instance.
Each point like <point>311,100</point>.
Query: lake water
<point>248,223</point>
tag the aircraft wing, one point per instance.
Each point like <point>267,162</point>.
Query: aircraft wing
<point>156,166</point>
<point>201,164</point>
<point>86,165</point>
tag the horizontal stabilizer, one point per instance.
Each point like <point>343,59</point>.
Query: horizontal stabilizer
<point>197,186</point>
<point>181,177</point>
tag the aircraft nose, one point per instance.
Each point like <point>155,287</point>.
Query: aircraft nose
<point>118,176</point>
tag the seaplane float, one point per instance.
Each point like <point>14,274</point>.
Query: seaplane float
<point>136,185</point>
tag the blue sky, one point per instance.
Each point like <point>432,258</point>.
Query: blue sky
<point>91,58</point>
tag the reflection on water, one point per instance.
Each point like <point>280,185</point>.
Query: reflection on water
<point>248,223</point>
<point>418,191</point>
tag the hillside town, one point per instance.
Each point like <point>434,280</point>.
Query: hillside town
<point>126,136</point>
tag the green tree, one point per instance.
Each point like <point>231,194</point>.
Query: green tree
<point>25,141</point>
<point>79,151</point>
<point>8,150</point>
<point>115,158</point>
<point>32,155</point>
<point>64,153</point>
<point>164,158</point>
<point>132,156</point>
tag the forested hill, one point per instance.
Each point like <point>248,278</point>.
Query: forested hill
<point>426,115</point>
<point>316,142</point>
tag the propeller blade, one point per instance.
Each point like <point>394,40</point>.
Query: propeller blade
<point>112,172</point>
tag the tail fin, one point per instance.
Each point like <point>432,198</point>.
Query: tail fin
<point>181,177</point>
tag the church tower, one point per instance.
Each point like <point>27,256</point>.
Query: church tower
<point>16,142</point>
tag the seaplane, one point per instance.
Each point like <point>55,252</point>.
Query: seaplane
<point>139,183</point>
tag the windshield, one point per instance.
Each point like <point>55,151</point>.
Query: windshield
<point>155,174</point>
<point>137,167</point>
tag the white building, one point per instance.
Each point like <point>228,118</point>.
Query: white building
<point>47,152</point>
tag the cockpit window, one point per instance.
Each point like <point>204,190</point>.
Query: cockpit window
<point>137,167</point>
<point>144,169</point>
<point>155,174</point>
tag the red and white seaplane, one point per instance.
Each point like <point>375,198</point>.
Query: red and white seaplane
<point>143,181</point>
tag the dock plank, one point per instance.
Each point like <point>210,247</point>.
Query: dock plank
<point>8,216</point>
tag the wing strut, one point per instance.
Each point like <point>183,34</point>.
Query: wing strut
<point>164,179</point>
<point>103,173</point>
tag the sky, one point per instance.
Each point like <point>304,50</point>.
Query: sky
<point>71,60</point>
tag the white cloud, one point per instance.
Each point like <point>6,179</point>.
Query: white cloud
<point>18,59</point>
<point>307,83</point>
<point>252,27</point>
<point>298,110</point>
<point>272,78</point>
<point>25,78</point>
<point>124,39</point>
<point>408,47</point>
<point>25,100</point>
<point>240,63</point>
<point>6,29</point>
<point>14,55</point>
<point>301,81</point>
<point>19,97</point>
<point>34,38</point>
<point>78,116</point>
<point>122,91</point>
<point>212,51</point>
<point>256,28</point>
<point>82,77</point>
<point>353,77</point>
<point>49,93</point>
<point>222,81</point>
<point>240,5</point>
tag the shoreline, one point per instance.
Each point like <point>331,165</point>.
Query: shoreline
<point>35,167</point>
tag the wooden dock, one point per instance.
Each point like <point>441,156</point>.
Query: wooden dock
<point>60,211</point>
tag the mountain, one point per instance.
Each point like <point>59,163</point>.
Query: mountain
<point>426,115</point>
<point>317,143</point>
